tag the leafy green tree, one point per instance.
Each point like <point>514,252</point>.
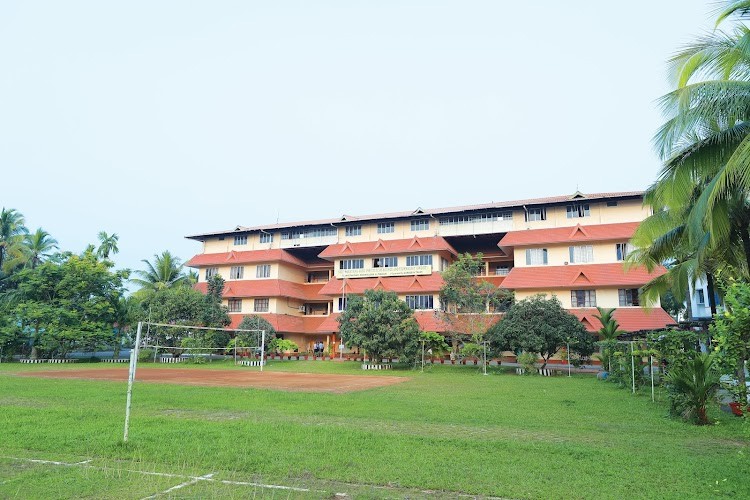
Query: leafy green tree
<point>250,339</point>
<point>467,300</point>
<point>695,383</point>
<point>378,322</point>
<point>165,272</point>
<point>107,244</point>
<point>540,325</point>
<point>67,304</point>
<point>38,246</point>
<point>214,314</point>
<point>280,346</point>
<point>12,230</point>
<point>731,334</point>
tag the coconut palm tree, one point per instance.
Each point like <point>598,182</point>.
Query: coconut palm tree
<point>107,244</point>
<point>705,141</point>
<point>12,230</point>
<point>38,246</point>
<point>166,271</point>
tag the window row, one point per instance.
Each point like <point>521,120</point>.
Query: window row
<point>416,302</point>
<point>579,254</point>
<point>470,219</point>
<point>309,233</point>
<point>411,260</point>
<point>238,272</point>
<point>627,297</point>
<point>241,239</point>
<point>259,305</point>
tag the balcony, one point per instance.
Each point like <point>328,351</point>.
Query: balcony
<point>309,241</point>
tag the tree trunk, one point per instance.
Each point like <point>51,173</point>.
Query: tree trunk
<point>745,235</point>
<point>688,308</point>
<point>710,289</point>
<point>702,417</point>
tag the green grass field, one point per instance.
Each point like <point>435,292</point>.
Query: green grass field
<point>447,431</point>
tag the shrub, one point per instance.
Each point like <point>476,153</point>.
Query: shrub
<point>527,360</point>
<point>145,355</point>
<point>692,386</point>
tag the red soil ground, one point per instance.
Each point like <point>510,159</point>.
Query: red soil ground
<point>305,382</point>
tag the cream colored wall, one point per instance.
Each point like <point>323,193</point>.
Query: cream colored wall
<point>605,297</point>
<point>214,245</point>
<point>249,273</point>
<point>402,230</point>
<point>291,273</point>
<point>600,213</point>
<point>559,254</point>
<point>248,304</point>
<point>435,300</point>
<point>368,260</point>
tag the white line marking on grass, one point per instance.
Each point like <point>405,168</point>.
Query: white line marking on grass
<point>182,485</point>
<point>190,479</point>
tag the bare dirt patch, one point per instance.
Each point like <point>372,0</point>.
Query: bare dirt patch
<point>284,381</point>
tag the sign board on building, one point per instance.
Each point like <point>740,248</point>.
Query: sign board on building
<point>381,272</point>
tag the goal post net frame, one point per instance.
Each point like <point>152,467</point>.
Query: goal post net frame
<point>137,346</point>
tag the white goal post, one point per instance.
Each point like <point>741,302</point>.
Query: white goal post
<point>137,346</point>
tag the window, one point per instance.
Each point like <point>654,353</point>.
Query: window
<point>629,297</point>
<point>419,301</point>
<point>386,227</point>
<point>353,230</point>
<point>444,264</point>
<point>266,237</point>
<point>309,233</point>
<point>581,254</point>
<point>342,303</point>
<point>352,264</point>
<point>701,297</point>
<point>263,271</point>
<point>469,219</point>
<point>578,210</point>
<point>240,240</point>
<point>236,272</point>
<point>235,305</point>
<point>536,256</point>
<point>385,262</point>
<point>611,203</point>
<point>211,272</point>
<point>502,270</point>
<point>419,260</point>
<point>420,225</point>
<point>623,249</point>
<point>533,214</point>
<point>261,305</point>
<point>583,298</point>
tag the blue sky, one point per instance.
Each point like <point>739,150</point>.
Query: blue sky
<point>158,119</point>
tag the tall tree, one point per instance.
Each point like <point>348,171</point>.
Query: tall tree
<point>165,272</point>
<point>38,246</point>
<point>12,229</point>
<point>378,322</point>
<point>467,300</point>
<point>107,244</point>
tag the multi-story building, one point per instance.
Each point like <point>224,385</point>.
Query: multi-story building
<point>299,275</point>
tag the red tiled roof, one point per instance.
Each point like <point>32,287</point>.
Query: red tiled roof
<point>578,276</point>
<point>600,232</point>
<point>631,319</point>
<point>269,288</point>
<point>382,247</point>
<point>496,280</point>
<point>246,257</point>
<point>284,323</point>
<point>399,284</point>
<point>330,324</point>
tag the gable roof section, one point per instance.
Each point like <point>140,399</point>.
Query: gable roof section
<point>631,319</point>
<point>586,275</point>
<point>600,232</point>
<point>385,247</point>
<point>247,257</point>
<point>268,288</point>
<point>399,284</point>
